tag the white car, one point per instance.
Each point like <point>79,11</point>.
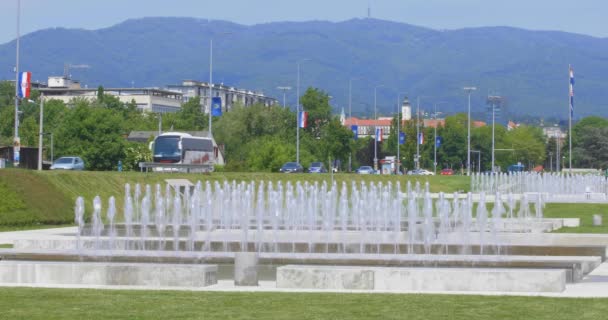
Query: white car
<point>68,163</point>
<point>424,172</point>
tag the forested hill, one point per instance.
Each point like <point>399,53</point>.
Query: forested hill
<point>529,68</point>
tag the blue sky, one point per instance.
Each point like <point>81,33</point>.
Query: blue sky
<point>582,16</point>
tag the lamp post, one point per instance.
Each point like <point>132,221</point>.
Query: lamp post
<point>469,90</point>
<point>350,115</point>
<point>40,132</point>
<point>284,89</point>
<point>550,161</point>
<point>16,141</point>
<point>298,110</point>
<point>376,125</point>
<point>211,81</point>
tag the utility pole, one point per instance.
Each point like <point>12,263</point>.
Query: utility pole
<point>40,132</point>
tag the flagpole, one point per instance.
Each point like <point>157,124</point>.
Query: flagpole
<point>16,142</point>
<point>571,109</point>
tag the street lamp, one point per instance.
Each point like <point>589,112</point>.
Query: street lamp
<point>298,110</point>
<point>284,89</point>
<point>376,126</point>
<point>211,81</point>
<point>469,90</point>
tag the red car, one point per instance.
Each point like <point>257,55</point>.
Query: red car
<point>447,172</point>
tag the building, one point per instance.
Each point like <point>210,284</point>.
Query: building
<point>147,99</point>
<point>230,95</point>
<point>366,127</point>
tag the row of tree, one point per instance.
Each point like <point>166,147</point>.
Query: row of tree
<point>260,138</point>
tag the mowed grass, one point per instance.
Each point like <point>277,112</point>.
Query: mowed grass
<point>583,211</point>
<point>26,199</point>
<point>27,303</point>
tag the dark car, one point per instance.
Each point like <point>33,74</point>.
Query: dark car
<point>290,167</point>
<point>317,167</point>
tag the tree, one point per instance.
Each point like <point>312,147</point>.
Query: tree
<point>316,103</point>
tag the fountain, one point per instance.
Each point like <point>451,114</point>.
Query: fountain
<point>370,225</point>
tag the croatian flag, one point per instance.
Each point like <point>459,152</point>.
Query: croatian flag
<point>25,85</point>
<point>303,119</point>
<point>379,134</point>
<point>421,138</point>
<point>571,92</point>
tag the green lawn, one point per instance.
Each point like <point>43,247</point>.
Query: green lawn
<point>584,211</point>
<point>26,303</point>
<point>5,246</point>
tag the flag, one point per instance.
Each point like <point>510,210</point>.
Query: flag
<point>401,137</point>
<point>216,106</point>
<point>379,134</point>
<point>438,141</point>
<point>303,119</point>
<point>25,84</point>
<point>421,138</point>
<point>355,130</point>
<point>571,92</point>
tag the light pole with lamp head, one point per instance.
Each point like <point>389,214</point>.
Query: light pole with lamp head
<point>469,90</point>
<point>493,100</point>
<point>284,89</point>
<point>298,109</point>
<point>376,126</point>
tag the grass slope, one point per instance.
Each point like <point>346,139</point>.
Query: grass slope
<point>26,303</point>
<point>28,199</point>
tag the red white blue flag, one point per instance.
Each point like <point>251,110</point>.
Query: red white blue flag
<point>25,85</point>
<point>571,92</point>
<point>303,119</point>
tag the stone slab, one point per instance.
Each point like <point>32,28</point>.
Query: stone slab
<point>102,273</point>
<point>420,279</point>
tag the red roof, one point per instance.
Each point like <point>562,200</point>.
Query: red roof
<point>367,122</point>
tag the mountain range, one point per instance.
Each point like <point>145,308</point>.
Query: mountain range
<point>528,68</point>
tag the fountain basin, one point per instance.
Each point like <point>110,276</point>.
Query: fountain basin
<point>420,279</point>
<point>107,273</point>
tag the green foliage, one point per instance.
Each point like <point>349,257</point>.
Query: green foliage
<point>134,154</point>
<point>590,143</point>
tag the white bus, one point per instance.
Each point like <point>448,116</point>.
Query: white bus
<point>183,148</point>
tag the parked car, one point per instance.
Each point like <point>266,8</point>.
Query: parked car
<point>420,172</point>
<point>291,167</point>
<point>68,163</point>
<point>447,172</point>
<point>365,170</point>
<point>317,167</point>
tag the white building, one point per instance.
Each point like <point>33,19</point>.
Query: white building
<point>147,99</point>
<point>230,95</point>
